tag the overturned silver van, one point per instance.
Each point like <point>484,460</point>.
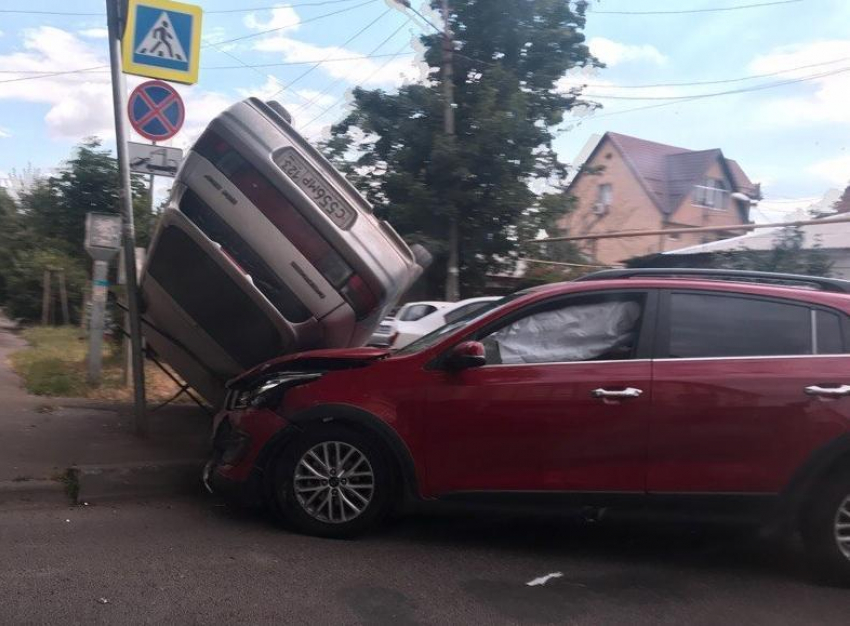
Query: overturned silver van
<point>265,249</point>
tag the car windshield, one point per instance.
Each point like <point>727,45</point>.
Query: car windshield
<point>434,336</point>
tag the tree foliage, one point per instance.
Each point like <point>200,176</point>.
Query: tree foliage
<point>788,255</point>
<point>509,57</point>
<point>45,229</point>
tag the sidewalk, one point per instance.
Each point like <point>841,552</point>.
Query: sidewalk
<point>41,438</point>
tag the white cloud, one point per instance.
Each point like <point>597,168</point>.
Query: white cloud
<point>282,18</point>
<point>613,52</point>
<point>4,132</point>
<point>358,69</point>
<point>80,104</point>
<point>95,33</point>
<point>835,171</point>
<point>821,100</point>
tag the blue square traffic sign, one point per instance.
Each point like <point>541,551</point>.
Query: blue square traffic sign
<point>162,40</point>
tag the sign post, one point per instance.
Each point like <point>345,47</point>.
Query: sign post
<point>103,240</point>
<point>115,23</point>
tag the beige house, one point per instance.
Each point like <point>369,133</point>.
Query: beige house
<point>628,183</point>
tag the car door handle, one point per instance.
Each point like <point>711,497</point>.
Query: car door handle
<point>617,394</point>
<point>828,392</point>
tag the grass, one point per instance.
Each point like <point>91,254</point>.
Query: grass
<point>54,364</point>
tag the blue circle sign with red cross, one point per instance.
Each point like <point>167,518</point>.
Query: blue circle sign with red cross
<point>156,110</point>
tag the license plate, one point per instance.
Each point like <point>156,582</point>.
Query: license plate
<point>311,183</point>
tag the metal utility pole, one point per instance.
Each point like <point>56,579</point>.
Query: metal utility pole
<point>453,269</point>
<point>115,20</point>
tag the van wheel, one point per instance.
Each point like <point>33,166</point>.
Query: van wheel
<point>826,532</point>
<point>332,482</point>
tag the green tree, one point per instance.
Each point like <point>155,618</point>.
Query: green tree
<point>46,231</point>
<point>787,255</point>
<point>55,208</point>
<point>509,57</point>
<point>842,205</point>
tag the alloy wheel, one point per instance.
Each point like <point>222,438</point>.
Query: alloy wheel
<point>334,482</point>
<point>841,527</point>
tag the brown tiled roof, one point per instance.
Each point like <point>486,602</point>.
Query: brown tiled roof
<point>669,172</point>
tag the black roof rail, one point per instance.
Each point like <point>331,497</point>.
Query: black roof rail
<point>824,284</point>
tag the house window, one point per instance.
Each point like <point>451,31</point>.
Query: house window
<point>711,193</point>
<point>603,194</point>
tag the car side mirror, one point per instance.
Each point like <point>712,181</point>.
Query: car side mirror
<point>467,354</point>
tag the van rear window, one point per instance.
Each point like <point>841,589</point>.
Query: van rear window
<point>214,227</point>
<point>210,297</point>
<point>277,208</point>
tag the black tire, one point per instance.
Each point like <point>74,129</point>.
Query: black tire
<point>290,509</point>
<point>827,561</point>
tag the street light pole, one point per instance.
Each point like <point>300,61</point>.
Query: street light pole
<point>115,22</point>
<point>453,269</point>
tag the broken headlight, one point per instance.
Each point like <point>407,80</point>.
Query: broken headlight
<point>269,391</point>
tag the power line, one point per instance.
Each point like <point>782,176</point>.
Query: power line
<point>339,80</point>
<point>717,81</point>
<point>298,23</point>
<point>209,12</point>
<point>760,87</point>
<point>365,80</point>
<point>48,75</point>
<point>99,69</point>
<point>697,97</point>
<point>737,7</point>
<point>345,43</point>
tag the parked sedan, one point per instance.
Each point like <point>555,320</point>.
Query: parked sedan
<point>408,331</point>
<point>714,395</point>
<point>385,334</point>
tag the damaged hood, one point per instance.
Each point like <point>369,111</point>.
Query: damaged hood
<point>314,360</point>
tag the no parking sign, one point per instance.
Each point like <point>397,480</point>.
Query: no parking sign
<point>156,110</point>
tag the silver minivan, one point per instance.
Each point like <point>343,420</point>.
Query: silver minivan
<point>265,249</point>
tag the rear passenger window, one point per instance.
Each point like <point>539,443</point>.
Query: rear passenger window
<point>417,312</point>
<point>723,326</point>
<point>829,339</point>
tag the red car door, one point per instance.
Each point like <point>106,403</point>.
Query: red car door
<point>561,405</point>
<point>746,392</point>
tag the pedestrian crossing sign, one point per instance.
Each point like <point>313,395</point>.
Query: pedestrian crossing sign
<point>162,40</point>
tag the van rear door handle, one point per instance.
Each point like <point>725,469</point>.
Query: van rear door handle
<point>828,392</point>
<point>616,394</point>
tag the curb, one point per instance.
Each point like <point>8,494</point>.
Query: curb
<point>98,483</point>
<point>27,493</point>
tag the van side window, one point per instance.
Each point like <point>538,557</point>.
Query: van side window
<point>707,325</point>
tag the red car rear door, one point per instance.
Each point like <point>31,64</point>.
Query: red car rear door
<point>561,405</point>
<point>748,388</point>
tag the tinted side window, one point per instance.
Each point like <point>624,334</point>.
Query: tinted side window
<point>595,328</point>
<point>828,333</point>
<point>722,326</point>
<point>459,312</point>
<point>417,312</point>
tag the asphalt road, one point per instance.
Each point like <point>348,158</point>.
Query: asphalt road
<point>194,561</point>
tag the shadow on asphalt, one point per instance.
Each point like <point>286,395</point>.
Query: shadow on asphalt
<point>710,549</point>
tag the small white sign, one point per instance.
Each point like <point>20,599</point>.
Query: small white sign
<point>103,235</point>
<point>146,158</point>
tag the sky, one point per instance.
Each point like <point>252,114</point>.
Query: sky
<point>789,130</point>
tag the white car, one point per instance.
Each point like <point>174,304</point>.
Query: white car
<point>409,312</point>
<point>406,332</point>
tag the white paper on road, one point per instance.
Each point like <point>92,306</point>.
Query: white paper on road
<point>542,580</point>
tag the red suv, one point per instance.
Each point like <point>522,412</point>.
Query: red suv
<point>708,394</point>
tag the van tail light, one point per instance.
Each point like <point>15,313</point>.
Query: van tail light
<point>359,296</point>
<point>393,337</point>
